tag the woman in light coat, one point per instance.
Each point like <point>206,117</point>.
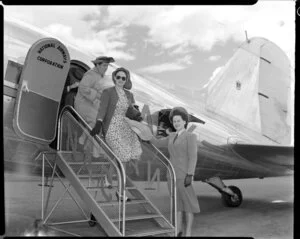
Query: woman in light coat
<point>90,89</point>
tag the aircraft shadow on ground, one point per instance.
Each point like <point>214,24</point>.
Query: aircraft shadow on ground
<point>209,204</point>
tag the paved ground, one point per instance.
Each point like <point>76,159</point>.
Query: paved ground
<point>266,212</point>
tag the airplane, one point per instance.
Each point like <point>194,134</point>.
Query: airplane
<point>242,127</point>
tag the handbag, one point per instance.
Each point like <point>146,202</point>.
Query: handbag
<point>133,113</point>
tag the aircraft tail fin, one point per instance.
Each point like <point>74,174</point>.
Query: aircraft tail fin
<point>254,89</point>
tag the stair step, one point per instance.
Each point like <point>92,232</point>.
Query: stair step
<point>150,232</point>
<point>92,176</point>
<point>114,186</point>
<point>147,228</point>
<point>97,176</point>
<point>139,217</point>
<point>99,188</point>
<point>69,157</point>
<point>88,163</point>
<point>64,152</point>
<point>115,203</point>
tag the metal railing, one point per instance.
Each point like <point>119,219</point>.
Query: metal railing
<point>79,126</point>
<point>170,178</point>
<point>71,113</point>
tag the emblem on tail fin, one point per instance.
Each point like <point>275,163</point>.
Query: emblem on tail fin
<point>238,85</point>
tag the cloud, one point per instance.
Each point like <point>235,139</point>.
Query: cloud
<point>182,27</point>
<point>215,72</point>
<point>181,50</point>
<point>103,42</point>
<point>76,28</point>
<point>179,29</point>
<point>179,64</point>
<point>278,26</point>
<point>185,60</point>
<point>154,69</point>
<point>43,16</point>
<point>214,58</point>
<point>94,18</point>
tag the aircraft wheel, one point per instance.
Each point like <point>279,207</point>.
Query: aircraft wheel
<point>92,221</point>
<point>233,201</point>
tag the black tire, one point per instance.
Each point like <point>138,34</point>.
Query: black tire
<point>92,221</point>
<point>233,201</point>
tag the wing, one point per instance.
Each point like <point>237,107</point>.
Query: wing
<point>236,161</point>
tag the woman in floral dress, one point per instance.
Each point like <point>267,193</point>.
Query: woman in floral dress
<point>122,140</point>
<point>114,103</point>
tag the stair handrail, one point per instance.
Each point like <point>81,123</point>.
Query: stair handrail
<point>163,159</point>
<point>99,140</point>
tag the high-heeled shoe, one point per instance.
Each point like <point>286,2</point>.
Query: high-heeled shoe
<point>107,184</point>
<point>82,138</point>
<point>121,197</point>
<point>92,221</point>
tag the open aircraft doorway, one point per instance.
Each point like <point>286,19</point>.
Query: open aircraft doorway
<point>75,74</point>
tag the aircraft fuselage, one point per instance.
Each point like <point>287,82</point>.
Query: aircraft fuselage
<point>225,161</point>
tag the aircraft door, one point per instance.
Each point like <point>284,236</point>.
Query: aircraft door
<point>40,89</point>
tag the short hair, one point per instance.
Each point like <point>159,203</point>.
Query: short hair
<point>181,112</point>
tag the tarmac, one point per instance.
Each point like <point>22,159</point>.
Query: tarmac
<point>267,210</point>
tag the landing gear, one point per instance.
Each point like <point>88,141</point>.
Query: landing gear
<point>234,200</point>
<point>231,195</point>
<point>92,221</point>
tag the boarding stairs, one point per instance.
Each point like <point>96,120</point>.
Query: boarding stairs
<point>86,176</point>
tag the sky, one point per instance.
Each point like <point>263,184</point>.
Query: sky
<point>173,45</point>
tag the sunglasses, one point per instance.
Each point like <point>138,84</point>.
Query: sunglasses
<point>121,77</point>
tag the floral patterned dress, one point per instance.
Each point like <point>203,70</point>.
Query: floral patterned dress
<point>122,140</point>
